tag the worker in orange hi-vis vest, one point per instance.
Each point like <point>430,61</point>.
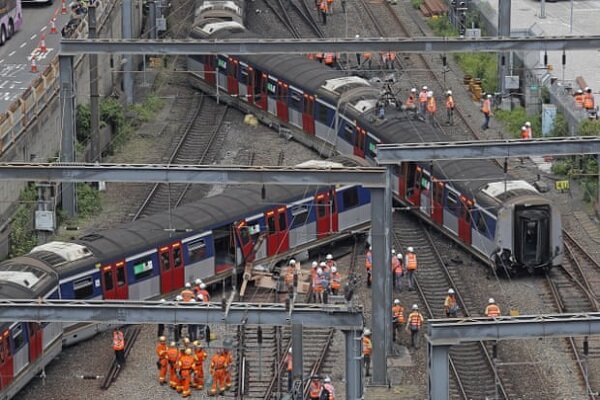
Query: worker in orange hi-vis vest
<point>529,130</point>
<point>423,101</point>
<point>336,281</point>
<point>369,265</point>
<point>397,317</point>
<point>450,108</point>
<point>228,345</point>
<point>367,347</point>
<point>414,323</point>
<point>289,367</point>
<point>118,345</point>
<point>492,310</point>
<point>218,365</point>
<point>187,294</point>
<point>186,366</point>
<point>163,360</point>
<point>431,106</point>
<point>324,10</point>
<point>330,6</point>
<point>486,109</point>
<point>199,355</point>
<point>411,267</point>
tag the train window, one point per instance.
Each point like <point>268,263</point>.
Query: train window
<point>348,132</point>
<point>333,201</point>
<point>244,75</point>
<point>425,182</point>
<point>18,337</point>
<point>121,280</point>
<point>272,87</point>
<point>83,288</point>
<point>299,215</point>
<point>222,64</point>
<point>197,249</point>
<point>452,203</point>
<point>177,257</point>
<point>350,198</point>
<point>438,189</point>
<point>323,117</point>
<point>282,221</point>
<point>271,224</point>
<point>164,259</point>
<point>321,209</point>
<point>372,149</point>
<point>142,268</point>
<point>296,100</point>
<point>108,279</point>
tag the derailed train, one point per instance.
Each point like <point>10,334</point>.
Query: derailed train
<point>502,220</point>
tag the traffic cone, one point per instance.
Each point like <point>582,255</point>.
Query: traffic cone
<point>53,26</point>
<point>33,66</point>
<point>43,47</point>
<point>63,9</point>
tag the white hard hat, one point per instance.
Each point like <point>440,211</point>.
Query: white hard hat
<point>397,301</point>
<point>414,90</point>
<point>370,247</point>
<point>163,301</point>
<point>491,300</point>
<point>203,285</point>
<point>449,92</point>
<point>357,36</point>
<point>450,291</point>
<point>399,256</point>
<point>523,128</point>
<point>367,332</point>
<point>579,91</point>
<point>319,271</point>
<point>527,123</point>
<point>489,96</point>
<point>323,264</point>
<point>198,281</point>
<point>410,249</point>
<point>587,88</point>
<point>178,298</point>
<point>415,307</point>
<point>329,257</point>
<point>425,88</point>
<point>430,93</point>
<point>315,264</point>
<point>290,350</point>
<point>292,262</point>
<point>200,297</point>
<point>192,300</point>
<point>188,285</point>
<point>327,379</point>
<point>393,251</point>
<point>333,269</point>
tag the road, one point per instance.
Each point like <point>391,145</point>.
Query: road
<point>16,55</point>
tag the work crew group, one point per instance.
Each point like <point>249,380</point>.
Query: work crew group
<point>325,279</point>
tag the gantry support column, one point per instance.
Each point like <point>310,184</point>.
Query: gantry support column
<point>94,96</point>
<point>437,358</point>
<point>67,107</point>
<point>381,290</point>
<point>354,382</point>
<point>126,33</point>
<point>503,57</point>
<point>297,359</point>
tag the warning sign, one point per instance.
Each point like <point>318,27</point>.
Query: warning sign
<point>562,186</point>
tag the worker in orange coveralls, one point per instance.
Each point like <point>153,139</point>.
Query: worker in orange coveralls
<point>173,357</point>
<point>163,360</point>
<point>200,355</point>
<point>218,365</point>
<point>185,366</point>
<point>227,344</point>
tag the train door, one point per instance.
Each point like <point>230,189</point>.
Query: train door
<point>210,74</point>
<point>260,91</point>
<point>222,68</point>
<point>282,101</point>
<point>424,187</point>
<point>172,274</point>
<point>308,116</point>
<point>232,77</point>
<point>413,186</point>
<point>6,361</point>
<point>35,341</point>
<point>114,281</point>
<point>464,220</point>
<point>244,238</point>
<point>327,217</point>
<point>360,139</point>
<point>437,208</point>
<point>277,231</point>
<point>247,83</point>
<point>272,95</point>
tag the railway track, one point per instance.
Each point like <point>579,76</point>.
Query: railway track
<point>131,335</point>
<point>474,375</point>
<point>195,146</point>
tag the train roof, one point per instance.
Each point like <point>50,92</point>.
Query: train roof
<point>26,277</point>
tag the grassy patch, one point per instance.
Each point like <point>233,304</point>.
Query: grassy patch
<point>480,65</point>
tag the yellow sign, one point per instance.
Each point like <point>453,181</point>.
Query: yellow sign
<point>562,185</point>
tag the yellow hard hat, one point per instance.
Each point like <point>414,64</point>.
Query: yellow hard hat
<point>188,351</point>
<point>186,340</point>
<point>162,339</point>
<point>197,343</point>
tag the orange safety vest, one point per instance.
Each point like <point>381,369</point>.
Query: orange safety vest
<point>449,302</point>
<point>204,294</point>
<point>369,261</point>
<point>588,101</point>
<point>330,390</point>
<point>486,107</point>
<point>579,100</point>
<point>289,276</point>
<point>118,340</point>
<point>289,362</point>
<point>200,356</point>
<point>529,133</point>
<point>186,362</point>
<point>316,283</point>
<point>367,56</point>
<point>431,105</point>
<point>335,281</point>
<point>411,261</point>
<point>187,295</point>
<point>367,346</point>
<point>315,389</point>
<point>423,97</point>
<point>329,58</point>
<point>396,266</point>
<point>415,319</point>
<point>398,313</point>
<point>450,102</point>
<point>410,101</point>
<point>492,310</point>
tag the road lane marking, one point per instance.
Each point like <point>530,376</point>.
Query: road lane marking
<point>33,37</point>
<point>44,28</point>
<point>1,61</point>
<point>23,45</point>
<point>12,53</point>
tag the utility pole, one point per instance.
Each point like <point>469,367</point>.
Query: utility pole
<point>152,19</point>
<point>126,33</point>
<point>67,150</point>
<point>503,57</point>
<point>94,106</point>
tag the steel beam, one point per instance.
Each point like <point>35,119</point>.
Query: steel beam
<point>67,120</point>
<point>297,355</point>
<point>152,312</point>
<point>503,30</point>
<point>372,177</point>
<point>338,45</point>
<point>455,331</point>
<point>354,378</point>
<point>484,149</point>
<point>438,365</point>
